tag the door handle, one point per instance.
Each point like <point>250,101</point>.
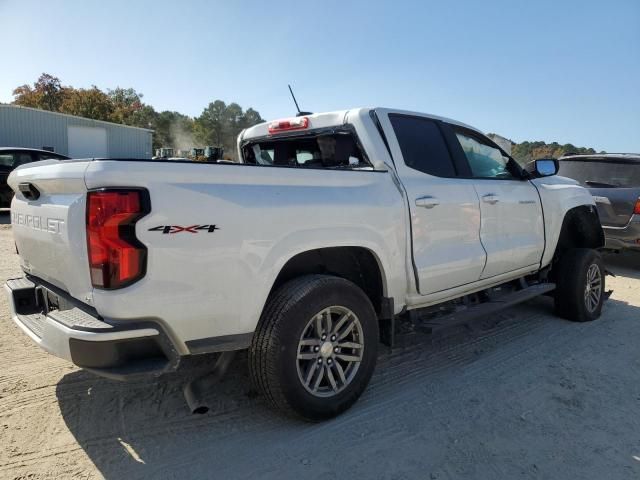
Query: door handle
<point>427,201</point>
<point>490,198</point>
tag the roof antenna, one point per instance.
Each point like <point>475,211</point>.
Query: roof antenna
<point>299,114</point>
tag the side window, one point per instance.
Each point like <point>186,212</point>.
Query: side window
<point>6,160</point>
<point>486,161</point>
<point>14,160</point>
<point>422,145</point>
<point>22,158</point>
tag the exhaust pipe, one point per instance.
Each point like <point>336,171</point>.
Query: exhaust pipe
<point>195,391</point>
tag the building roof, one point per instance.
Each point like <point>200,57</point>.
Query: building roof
<point>48,112</point>
<point>5,149</point>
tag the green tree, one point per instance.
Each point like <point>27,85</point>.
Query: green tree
<point>251,118</point>
<point>173,129</point>
<point>127,103</point>
<point>219,125</point>
<point>209,126</point>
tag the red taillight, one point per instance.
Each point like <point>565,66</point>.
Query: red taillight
<point>297,123</point>
<point>636,210</point>
<point>116,257</point>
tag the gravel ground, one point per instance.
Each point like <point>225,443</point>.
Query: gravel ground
<point>524,395</point>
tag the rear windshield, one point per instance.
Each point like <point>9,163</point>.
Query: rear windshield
<point>602,174</point>
<point>322,150</point>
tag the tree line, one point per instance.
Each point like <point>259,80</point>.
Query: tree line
<point>526,152</point>
<point>218,125</point>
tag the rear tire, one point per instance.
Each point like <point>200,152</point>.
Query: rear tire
<point>580,280</point>
<point>315,347</point>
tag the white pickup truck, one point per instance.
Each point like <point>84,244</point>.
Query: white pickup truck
<point>330,227</point>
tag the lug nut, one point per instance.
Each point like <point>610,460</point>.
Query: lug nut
<point>324,336</point>
<point>316,348</point>
<point>333,338</point>
<point>337,349</point>
<point>329,361</point>
<point>319,361</point>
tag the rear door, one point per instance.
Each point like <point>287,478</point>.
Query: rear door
<point>445,214</point>
<point>614,184</point>
<point>512,226</point>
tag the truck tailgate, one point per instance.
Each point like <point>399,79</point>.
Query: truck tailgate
<point>49,224</point>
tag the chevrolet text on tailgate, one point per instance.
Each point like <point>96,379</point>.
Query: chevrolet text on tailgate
<point>305,252</point>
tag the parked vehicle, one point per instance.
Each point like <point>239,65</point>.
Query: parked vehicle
<point>614,181</point>
<point>11,158</point>
<point>304,254</point>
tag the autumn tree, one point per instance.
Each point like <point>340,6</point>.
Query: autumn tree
<point>526,152</point>
<point>218,125</point>
<point>47,93</point>
<point>127,103</point>
<point>89,103</point>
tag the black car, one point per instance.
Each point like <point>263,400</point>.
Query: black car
<point>614,182</point>
<point>11,158</point>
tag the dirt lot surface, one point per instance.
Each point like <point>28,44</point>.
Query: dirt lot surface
<point>524,395</point>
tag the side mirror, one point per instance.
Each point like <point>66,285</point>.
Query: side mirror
<point>544,167</point>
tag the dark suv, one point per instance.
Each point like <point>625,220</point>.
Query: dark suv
<point>614,181</point>
<point>11,158</point>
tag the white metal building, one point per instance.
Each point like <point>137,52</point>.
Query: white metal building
<point>73,136</point>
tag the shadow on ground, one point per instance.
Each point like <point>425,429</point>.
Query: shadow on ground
<point>5,218</point>
<point>626,264</point>
<point>500,398</point>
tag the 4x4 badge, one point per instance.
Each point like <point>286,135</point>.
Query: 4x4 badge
<point>189,229</point>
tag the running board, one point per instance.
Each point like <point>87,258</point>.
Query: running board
<point>485,309</point>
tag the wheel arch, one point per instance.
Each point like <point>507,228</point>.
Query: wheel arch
<point>357,264</point>
<point>581,228</point>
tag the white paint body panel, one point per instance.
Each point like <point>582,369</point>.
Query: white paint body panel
<point>558,195</point>
<point>215,284</point>
<point>512,228</point>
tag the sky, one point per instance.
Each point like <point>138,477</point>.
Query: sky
<point>565,71</point>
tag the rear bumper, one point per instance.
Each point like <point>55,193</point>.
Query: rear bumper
<point>623,238</point>
<point>69,330</point>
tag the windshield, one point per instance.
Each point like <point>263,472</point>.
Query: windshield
<point>601,174</point>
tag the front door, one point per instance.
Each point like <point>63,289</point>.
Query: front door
<point>511,227</point>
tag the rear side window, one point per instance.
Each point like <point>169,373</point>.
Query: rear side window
<point>422,145</point>
<point>48,156</point>
<point>602,174</point>
<point>322,150</point>
<point>13,160</point>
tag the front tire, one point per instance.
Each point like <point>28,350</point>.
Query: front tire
<point>580,280</point>
<point>315,347</point>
